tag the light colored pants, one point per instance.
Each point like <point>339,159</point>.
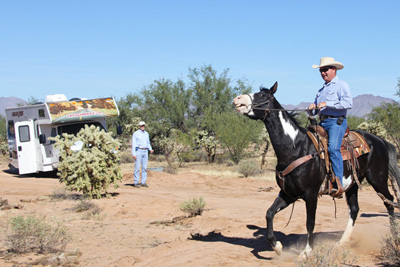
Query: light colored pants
<point>142,158</point>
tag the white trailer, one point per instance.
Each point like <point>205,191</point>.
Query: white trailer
<point>29,127</point>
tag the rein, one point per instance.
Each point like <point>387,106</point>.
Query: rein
<point>256,106</point>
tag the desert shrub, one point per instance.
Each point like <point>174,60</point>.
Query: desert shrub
<point>126,157</point>
<point>61,193</point>
<point>171,169</point>
<point>248,168</point>
<point>3,147</point>
<point>194,206</point>
<point>83,205</point>
<point>390,250</point>
<point>222,158</point>
<point>92,167</point>
<point>89,208</point>
<point>35,234</point>
<point>328,256</point>
<point>194,155</point>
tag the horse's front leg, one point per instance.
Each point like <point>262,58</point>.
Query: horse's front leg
<point>279,204</point>
<point>352,203</point>
<point>311,208</point>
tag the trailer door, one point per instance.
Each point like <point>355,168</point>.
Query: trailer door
<point>26,148</point>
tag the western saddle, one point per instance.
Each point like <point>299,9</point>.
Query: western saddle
<point>353,146</point>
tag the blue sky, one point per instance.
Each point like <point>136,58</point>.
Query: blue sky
<point>111,48</point>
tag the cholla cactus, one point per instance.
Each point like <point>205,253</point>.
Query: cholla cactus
<point>373,127</point>
<point>209,143</point>
<point>131,127</point>
<point>92,168</point>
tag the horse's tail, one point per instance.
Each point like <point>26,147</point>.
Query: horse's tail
<point>394,172</point>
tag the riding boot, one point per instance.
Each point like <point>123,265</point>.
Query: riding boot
<point>336,189</point>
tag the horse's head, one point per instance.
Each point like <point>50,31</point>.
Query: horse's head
<point>256,105</point>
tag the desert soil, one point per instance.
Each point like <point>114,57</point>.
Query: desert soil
<point>136,226</point>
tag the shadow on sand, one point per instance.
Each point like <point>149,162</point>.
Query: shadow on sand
<point>292,243</point>
<point>14,173</point>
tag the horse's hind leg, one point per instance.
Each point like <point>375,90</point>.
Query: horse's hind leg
<point>279,204</point>
<point>380,184</point>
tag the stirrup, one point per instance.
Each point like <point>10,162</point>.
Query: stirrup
<point>336,192</point>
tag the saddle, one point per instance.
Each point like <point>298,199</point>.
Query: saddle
<point>353,146</point>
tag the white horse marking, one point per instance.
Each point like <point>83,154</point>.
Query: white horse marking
<point>306,251</point>
<point>347,232</point>
<point>346,182</point>
<point>288,127</point>
<point>249,108</point>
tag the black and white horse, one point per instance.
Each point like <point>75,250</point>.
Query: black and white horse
<point>291,142</point>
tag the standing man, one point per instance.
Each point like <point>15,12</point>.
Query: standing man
<point>332,102</point>
<point>140,152</point>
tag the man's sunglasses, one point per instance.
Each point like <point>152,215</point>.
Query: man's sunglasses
<point>325,69</point>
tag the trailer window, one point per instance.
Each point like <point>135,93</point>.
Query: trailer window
<point>11,130</point>
<point>24,133</point>
<point>75,128</point>
<point>41,113</point>
<point>53,134</point>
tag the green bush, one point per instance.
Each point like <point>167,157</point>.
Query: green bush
<point>248,168</point>
<point>34,234</point>
<point>194,206</point>
<point>92,168</point>
<point>236,133</point>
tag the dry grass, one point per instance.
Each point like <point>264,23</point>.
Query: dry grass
<point>222,170</point>
<point>229,171</point>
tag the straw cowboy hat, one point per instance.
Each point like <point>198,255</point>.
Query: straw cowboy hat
<point>328,61</point>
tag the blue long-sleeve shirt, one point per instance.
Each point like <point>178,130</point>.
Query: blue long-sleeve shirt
<point>337,96</point>
<point>140,139</point>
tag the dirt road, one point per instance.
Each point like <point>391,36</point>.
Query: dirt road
<point>135,226</point>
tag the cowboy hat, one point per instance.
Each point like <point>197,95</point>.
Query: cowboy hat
<point>329,61</point>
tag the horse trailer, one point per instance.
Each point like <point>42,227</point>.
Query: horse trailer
<point>28,128</point>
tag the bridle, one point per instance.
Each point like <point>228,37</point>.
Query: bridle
<point>268,110</point>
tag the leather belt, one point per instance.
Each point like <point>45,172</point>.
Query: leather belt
<point>324,117</point>
<point>142,148</point>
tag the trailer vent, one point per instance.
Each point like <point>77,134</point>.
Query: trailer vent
<point>56,98</point>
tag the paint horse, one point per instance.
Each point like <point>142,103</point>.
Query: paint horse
<point>291,142</point>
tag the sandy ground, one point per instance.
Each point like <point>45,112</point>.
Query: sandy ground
<point>133,228</point>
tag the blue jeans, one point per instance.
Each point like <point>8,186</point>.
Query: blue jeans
<point>142,158</point>
<point>336,133</point>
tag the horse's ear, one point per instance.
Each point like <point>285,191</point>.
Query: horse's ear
<point>274,88</point>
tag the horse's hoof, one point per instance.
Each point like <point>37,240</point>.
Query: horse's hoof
<point>305,253</point>
<point>278,248</point>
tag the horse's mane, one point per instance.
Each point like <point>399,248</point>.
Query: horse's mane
<point>292,114</point>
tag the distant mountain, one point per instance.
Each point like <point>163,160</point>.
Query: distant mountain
<point>9,102</point>
<point>362,104</point>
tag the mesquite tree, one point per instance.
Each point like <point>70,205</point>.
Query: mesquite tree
<point>92,168</point>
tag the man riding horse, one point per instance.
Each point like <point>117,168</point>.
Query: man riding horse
<point>331,104</point>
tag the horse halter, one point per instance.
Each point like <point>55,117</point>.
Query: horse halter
<point>267,110</point>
